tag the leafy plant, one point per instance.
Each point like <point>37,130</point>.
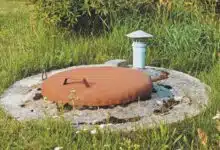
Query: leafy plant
<point>87,15</point>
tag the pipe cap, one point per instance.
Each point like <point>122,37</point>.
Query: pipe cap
<point>139,34</point>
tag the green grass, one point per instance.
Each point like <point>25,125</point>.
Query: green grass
<point>185,40</point>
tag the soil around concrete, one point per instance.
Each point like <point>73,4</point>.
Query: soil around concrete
<point>190,94</point>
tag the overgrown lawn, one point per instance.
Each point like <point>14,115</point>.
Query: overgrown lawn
<point>187,41</point>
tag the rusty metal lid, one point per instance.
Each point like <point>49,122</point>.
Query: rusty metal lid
<point>97,86</point>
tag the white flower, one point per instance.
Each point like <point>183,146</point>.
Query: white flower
<point>85,129</point>
<point>77,132</point>
<point>93,131</point>
<point>102,126</point>
<point>107,145</point>
<point>217,116</point>
<point>58,148</point>
<point>45,98</point>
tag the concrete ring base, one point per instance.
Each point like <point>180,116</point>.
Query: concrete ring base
<point>192,94</point>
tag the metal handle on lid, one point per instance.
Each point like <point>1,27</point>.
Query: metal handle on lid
<point>44,75</point>
<point>84,81</point>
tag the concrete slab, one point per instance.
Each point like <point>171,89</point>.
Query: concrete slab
<point>191,93</point>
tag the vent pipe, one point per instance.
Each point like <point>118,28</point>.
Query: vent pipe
<point>139,47</point>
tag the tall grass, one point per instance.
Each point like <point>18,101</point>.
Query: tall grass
<point>185,39</point>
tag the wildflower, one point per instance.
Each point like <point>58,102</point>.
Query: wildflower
<point>58,148</point>
<point>93,131</point>
<point>102,126</point>
<point>107,145</point>
<point>85,129</point>
<point>202,136</point>
<point>45,98</point>
<point>73,91</point>
<point>217,116</point>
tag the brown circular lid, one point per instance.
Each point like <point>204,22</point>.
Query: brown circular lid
<point>97,86</point>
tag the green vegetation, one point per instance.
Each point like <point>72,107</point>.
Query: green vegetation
<point>88,15</point>
<point>187,38</point>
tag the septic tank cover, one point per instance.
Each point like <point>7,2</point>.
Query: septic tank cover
<point>97,86</point>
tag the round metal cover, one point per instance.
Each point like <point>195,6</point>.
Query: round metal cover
<point>97,86</point>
